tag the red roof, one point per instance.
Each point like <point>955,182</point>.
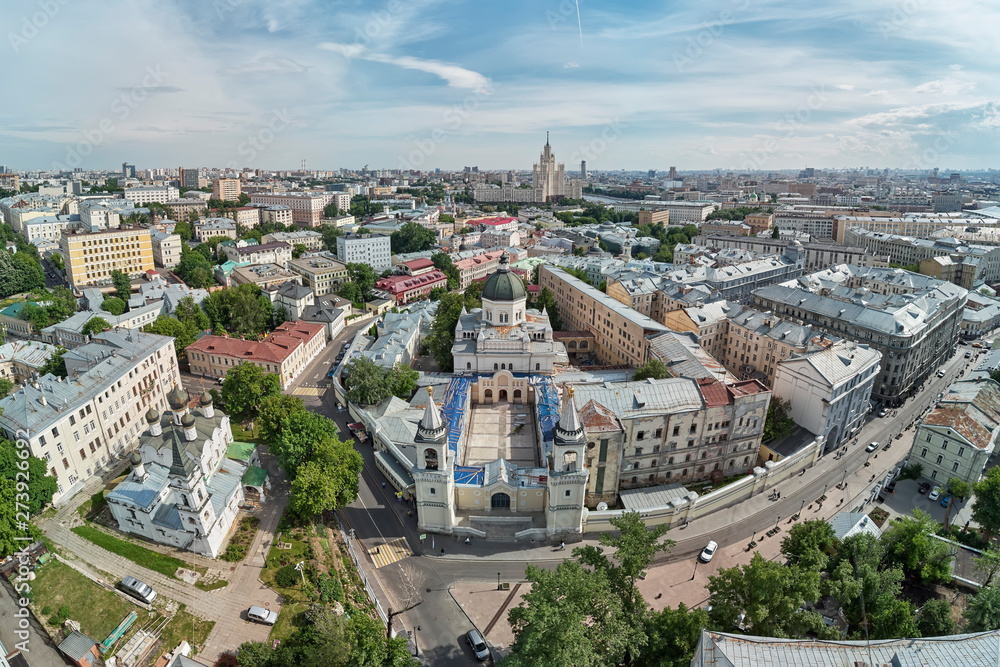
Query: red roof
<point>492,221</point>
<point>416,264</point>
<point>276,348</point>
<point>399,284</point>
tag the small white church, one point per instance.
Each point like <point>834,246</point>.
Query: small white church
<point>182,490</point>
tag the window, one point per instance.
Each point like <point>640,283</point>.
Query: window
<point>433,491</point>
<point>923,453</point>
<point>694,428</point>
<point>690,443</point>
<point>961,451</point>
<point>677,430</point>
<point>640,435</point>
<point>41,440</point>
<point>638,451</point>
<point>934,474</point>
<point>939,458</point>
<point>60,448</point>
<point>928,437</point>
<point>55,432</point>
<point>954,466</point>
<point>568,494</point>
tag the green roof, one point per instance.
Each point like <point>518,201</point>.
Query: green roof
<point>254,476</point>
<point>240,451</point>
<point>14,310</point>
<point>504,285</point>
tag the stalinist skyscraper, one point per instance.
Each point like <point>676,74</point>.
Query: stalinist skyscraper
<point>550,178</point>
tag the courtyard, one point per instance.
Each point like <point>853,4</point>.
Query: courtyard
<point>501,431</point>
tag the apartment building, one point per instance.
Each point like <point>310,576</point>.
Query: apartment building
<point>908,250</point>
<point>681,212</point>
<point>759,222</point>
<point>957,438</point>
<point>189,178</point>
<point>620,332</point>
<point>654,217</point>
<point>181,209</point>
<point>85,424</point>
<point>91,257</point>
<point>323,274</point>
<point>276,252</point>
<point>341,199</point>
<point>226,189</point>
<point>285,352</point>
<point>307,210</point>
<point>145,194</point>
<point>166,249</point>
<point>264,276</point>
<point>310,239</point>
<point>247,216</point>
<point>913,320</point>
<point>10,181</point>
<point>375,250</point>
<point>210,227</point>
<point>829,389</point>
<point>276,215</point>
<point>20,360</point>
<point>476,268</point>
<point>48,227</point>
<point>816,255</point>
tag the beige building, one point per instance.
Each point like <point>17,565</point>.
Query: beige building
<point>226,189</point>
<point>181,209</point>
<point>759,222</point>
<point>263,276</point>
<point>654,217</point>
<point>620,332</point>
<point>323,274</point>
<point>277,252</point>
<point>276,215</point>
<point>210,227</point>
<point>166,249</point>
<point>285,352</point>
<point>307,210</point>
<point>310,239</point>
<point>91,257</point>
<point>10,182</point>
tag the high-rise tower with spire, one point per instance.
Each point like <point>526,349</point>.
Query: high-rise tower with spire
<point>434,473</point>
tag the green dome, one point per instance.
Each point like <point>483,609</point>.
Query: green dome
<point>504,285</point>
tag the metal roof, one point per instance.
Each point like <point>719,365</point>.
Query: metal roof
<point>651,497</point>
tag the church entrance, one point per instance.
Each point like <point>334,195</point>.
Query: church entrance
<point>500,501</point>
<point>503,394</point>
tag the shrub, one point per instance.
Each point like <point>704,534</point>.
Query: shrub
<point>234,552</point>
<point>286,577</point>
<point>330,589</point>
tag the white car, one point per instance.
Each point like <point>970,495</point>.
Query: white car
<point>707,553</point>
<point>883,412</point>
<point>261,615</point>
<point>935,493</point>
<point>872,447</point>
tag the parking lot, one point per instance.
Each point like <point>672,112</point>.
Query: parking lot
<point>905,498</point>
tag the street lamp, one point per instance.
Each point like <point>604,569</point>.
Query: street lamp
<point>802,505</point>
<point>498,581</point>
<point>695,569</point>
<point>777,521</point>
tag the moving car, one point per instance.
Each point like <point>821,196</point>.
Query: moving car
<point>940,373</point>
<point>707,553</point>
<point>477,644</point>
<point>924,488</point>
<point>138,589</point>
<point>261,615</point>
<point>872,447</point>
<point>944,501</point>
<point>935,493</point>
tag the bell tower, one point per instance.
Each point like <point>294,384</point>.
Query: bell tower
<point>434,474</point>
<point>568,476</point>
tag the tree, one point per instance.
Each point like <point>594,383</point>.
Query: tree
<point>189,312</point>
<point>770,595</point>
<point>184,230</point>
<point>8,517</point>
<point>988,563</point>
<point>778,424</point>
<point>986,507</point>
<point>113,305</point>
<point>329,481</point>
<point>240,309</point>
<point>775,233</point>
<point>366,382</point>
<point>934,619</point>
<point>909,542</point>
<point>245,387</point>
<point>442,335</point>
<point>983,612</point>
<point>547,302</point>
<point>298,438</point>
<point>363,276</point>
<point>672,636</point>
<point>956,487</point>
<point>402,381</point>
<point>412,237</point>
<point>272,413</point>
<point>165,325</point>
<point>195,270</point>
<point>654,368</point>
<point>350,292</point>
<point>807,543</point>
<point>330,234</point>
<point>94,325</point>
<point>35,314</point>
<point>123,285</point>
<point>62,304</point>
<point>298,250</point>
<point>55,364</point>
<point>254,654</point>
<point>40,486</point>
<point>436,293</point>
<point>442,262</point>
<point>6,386</point>
<point>569,618</point>
<point>330,210</point>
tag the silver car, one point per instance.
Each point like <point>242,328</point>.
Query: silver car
<point>138,589</point>
<point>478,644</point>
<point>261,615</point>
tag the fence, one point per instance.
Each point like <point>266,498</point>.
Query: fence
<point>362,575</point>
<point>693,506</point>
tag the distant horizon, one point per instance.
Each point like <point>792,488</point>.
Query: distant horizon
<point>419,85</point>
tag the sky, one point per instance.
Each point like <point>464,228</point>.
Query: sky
<point>424,84</point>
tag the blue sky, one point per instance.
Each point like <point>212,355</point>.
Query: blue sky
<point>430,83</point>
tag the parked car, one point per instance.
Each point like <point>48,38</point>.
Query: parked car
<point>935,493</point>
<point>872,447</point>
<point>968,355</point>
<point>945,500</point>
<point>708,552</point>
<point>138,589</point>
<point>262,615</point>
<point>924,488</point>
<point>883,412</point>
<point>477,644</point>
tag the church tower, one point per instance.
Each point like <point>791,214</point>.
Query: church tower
<point>568,477</point>
<point>434,474</point>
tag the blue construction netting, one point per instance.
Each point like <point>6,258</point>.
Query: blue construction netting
<point>547,404</point>
<point>456,401</point>
<point>469,475</point>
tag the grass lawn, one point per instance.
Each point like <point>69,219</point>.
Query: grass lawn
<point>99,611</point>
<point>218,583</point>
<point>147,558</point>
<point>242,435</point>
<point>296,601</point>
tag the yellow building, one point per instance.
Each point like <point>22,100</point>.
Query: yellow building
<point>653,217</point>
<point>226,189</point>
<point>91,257</point>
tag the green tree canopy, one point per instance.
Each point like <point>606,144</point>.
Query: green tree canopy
<point>778,423</point>
<point>298,250</point>
<point>983,611</point>
<point>672,636</point>
<point>245,387</point>
<point>412,237</point>
<point>113,305</point>
<point>189,312</point>
<point>273,411</point>
<point>366,382</point>
<point>328,481</point>
<point>41,486</point>
<point>94,325</point>
<point>986,506</point>
<point>934,619</point>
<point>363,276</point>
<point>37,315</point>
<point>195,270</point>
<point>807,543</point>
<point>240,310</point>
<point>909,542</point>
<point>165,325</point>
<point>6,386</point>
<point>298,437</point>
<point>55,364</point>
<point>123,285</point>
<point>654,368</point>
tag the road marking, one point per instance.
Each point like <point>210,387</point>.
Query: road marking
<point>390,552</point>
<point>308,391</point>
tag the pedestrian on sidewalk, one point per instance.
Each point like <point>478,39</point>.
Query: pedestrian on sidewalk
<point>562,545</point>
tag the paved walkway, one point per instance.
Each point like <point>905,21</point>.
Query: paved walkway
<point>226,606</point>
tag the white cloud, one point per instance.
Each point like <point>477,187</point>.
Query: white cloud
<point>455,75</point>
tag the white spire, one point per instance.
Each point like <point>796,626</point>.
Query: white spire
<point>569,421</point>
<point>432,418</point>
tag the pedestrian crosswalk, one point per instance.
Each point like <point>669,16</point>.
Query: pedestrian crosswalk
<point>308,391</point>
<point>390,552</point>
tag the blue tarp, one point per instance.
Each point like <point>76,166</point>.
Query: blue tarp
<point>547,404</point>
<point>469,475</point>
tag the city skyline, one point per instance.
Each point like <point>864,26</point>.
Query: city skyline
<point>425,85</point>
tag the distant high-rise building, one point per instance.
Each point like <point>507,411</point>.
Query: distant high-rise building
<point>189,178</point>
<point>583,169</point>
<point>226,189</point>
<point>673,174</point>
<point>550,177</point>
<point>3,169</point>
<point>128,170</point>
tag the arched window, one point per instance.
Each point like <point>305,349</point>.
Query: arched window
<point>468,365</point>
<point>430,459</point>
<point>569,462</point>
<point>489,315</point>
<point>538,367</point>
<point>489,393</point>
<point>496,367</point>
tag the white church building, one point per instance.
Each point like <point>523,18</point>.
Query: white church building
<point>182,490</point>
